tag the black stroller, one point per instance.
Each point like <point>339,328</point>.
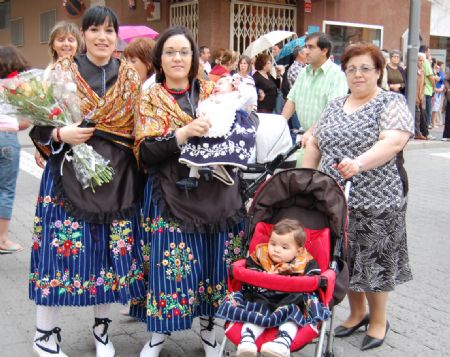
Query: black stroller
<point>317,201</point>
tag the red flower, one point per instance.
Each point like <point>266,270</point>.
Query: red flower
<point>93,291</point>
<point>169,316</point>
<point>68,244</point>
<point>35,246</point>
<point>162,303</point>
<point>123,251</point>
<point>130,240</point>
<point>66,252</point>
<point>12,74</point>
<point>59,250</point>
<point>141,276</point>
<point>74,251</point>
<point>176,312</point>
<point>55,112</point>
<point>160,230</point>
<point>184,301</point>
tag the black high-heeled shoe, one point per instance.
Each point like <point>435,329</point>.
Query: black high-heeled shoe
<point>342,331</point>
<point>372,342</point>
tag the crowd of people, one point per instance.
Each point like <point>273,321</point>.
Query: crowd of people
<point>160,242</point>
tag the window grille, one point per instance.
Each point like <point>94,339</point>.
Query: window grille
<point>5,14</point>
<point>47,21</point>
<point>250,20</point>
<point>185,14</point>
<point>17,31</point>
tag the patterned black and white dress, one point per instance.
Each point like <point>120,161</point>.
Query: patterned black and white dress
<point>377,203</point>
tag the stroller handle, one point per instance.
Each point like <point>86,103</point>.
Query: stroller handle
<point>270,169</point>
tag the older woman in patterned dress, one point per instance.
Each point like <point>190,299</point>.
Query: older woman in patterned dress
<point>367,131</point>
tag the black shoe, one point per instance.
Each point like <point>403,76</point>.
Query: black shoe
<point>342,331</point>
<point>189,184</point>
<point>206,173</point>
<point>372,342</point>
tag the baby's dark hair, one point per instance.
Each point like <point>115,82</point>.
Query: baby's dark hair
<point>286,226</point>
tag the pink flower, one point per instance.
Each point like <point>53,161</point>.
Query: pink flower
<point>46,291</point>
<point>146,258</point>
<point>100,281</point>
<point>227,243</point>
<point>201,289</point>
<point>237,250</point>
<point>67,223</point>
<point>75,225</point>
<point>58,224</point>
<point>121,243</point>
<point>77,284</point>
<point>47,199</point>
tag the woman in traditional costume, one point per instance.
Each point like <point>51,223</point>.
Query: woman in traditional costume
<point>83,251</point>
<point>190,239</point>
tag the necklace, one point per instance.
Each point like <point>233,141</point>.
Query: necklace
<point>174,91</point>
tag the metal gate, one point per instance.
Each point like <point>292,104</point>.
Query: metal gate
<point>248,21</point>
<point>185,14</point>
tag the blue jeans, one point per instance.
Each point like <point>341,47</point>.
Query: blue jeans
<point>9,170</point>
<point>428,109</point>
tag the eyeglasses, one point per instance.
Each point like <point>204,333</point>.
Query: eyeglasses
<point>172,53</point>
<point>351,71</point>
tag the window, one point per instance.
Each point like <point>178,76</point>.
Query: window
<point>5,14</point>
<point>47,21</point>
<point>17,31</point>
<point>344,33</point>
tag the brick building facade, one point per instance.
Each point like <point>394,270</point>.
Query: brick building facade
<point>224,23</point>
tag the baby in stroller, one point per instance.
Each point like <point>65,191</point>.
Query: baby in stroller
<point>230,140</point>
<point>261,308</point>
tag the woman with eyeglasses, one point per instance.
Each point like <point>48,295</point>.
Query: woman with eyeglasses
<point>266,85</point>
<point>83,251</point>
<point>192,237</point>
<point>367,130</point>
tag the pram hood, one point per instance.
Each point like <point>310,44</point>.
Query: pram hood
<point>313,196</point>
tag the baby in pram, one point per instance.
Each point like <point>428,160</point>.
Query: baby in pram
<point>260,308</point>
<point>231,137</point>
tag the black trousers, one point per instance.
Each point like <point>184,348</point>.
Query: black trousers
<point>446,133</point>
<point>420,123</point>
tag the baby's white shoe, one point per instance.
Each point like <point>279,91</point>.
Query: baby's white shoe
<point>247,347</point>
<point>280,347</point>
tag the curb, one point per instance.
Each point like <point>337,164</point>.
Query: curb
<point>426,144</point>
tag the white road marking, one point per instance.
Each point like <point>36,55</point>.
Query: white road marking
<point>442,154</point>
<point>28,164</point>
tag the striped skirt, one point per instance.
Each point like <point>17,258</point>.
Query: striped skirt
<point>237,309</point>
<point>187,272</point>
<point>75,263</point>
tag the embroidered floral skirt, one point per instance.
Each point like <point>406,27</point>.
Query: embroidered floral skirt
<point>75,263</point>
<point>237,309</point>
<point>187,272</point>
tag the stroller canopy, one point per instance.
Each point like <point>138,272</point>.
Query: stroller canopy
<point>313,197</point>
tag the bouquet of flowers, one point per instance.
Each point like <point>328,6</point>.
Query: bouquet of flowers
<point>54,102</point>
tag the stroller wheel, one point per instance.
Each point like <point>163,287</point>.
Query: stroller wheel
<point>338,351</point>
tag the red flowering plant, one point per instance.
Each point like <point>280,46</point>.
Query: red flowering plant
<point>54,102</point>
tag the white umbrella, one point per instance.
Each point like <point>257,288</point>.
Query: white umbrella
<point>266,41</point>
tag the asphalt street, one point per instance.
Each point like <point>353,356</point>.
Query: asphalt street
<point>419,311</point>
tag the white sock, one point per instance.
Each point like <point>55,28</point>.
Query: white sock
<point>46,317</point>
<point>101,312</point>
<point>156,343</point>
<point>255,329</point>
<point>208,336</point>
<point>193,172</point>
<point>291,329</point>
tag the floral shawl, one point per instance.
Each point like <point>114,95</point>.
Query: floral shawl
<point>297,266</point>
<point>160,114</point>
<point>114,113</point>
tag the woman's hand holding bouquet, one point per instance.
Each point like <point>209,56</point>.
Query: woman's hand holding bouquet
<point>55,103</point>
